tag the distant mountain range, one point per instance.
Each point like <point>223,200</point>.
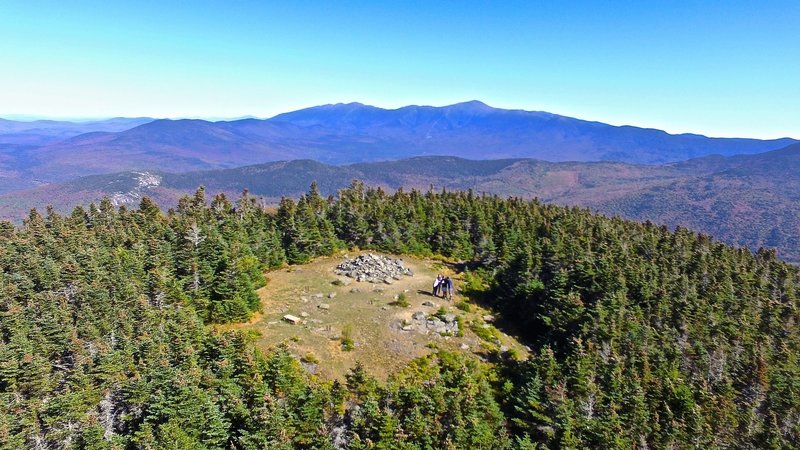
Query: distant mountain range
<point>40,132</point>
<point>338,134</point>
<point>749,200</point>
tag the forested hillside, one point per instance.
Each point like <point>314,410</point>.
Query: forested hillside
<point>746,200</point>
<point>641,337</point>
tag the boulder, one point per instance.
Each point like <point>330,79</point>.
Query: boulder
<point>435,324</point>
<point>324,306</point>
<point>294,320</point>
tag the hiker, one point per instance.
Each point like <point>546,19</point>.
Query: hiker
<point>437,285</point>
<point>448,287</point>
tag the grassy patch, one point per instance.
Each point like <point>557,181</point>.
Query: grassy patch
<point>464,306</point>
<point>486,332</point>
<point>402,301</point>
<point>347,338</point>
<point>310,358</point>
<point>335,335</point>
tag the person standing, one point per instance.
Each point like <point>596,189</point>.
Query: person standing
<point>448,282</point>
<point>437,285</point>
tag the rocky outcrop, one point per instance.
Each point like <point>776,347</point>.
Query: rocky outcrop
<point>445,325</point>
<point>374,269</point>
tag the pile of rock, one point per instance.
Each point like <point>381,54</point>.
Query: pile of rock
<point>374,269</point>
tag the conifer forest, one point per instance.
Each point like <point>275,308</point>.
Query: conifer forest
<point>641,337</point>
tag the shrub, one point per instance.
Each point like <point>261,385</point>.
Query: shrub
<point>310,358</point>
<point>402,300</point>
<point>486,332</point>
<point>347,338</point>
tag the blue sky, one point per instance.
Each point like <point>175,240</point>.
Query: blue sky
<point>719,68</point>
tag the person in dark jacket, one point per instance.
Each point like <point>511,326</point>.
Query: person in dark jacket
<point>448,286</point>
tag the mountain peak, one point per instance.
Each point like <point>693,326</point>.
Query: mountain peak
<point>471,105</point>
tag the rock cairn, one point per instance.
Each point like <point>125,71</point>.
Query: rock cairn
<point>374,269</point>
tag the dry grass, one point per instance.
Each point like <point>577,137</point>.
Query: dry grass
<point>379,343</point>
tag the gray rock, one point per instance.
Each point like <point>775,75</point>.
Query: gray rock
<point>311,368</point>
<point>304,314</point>
<point>324,306</point>
<point>319,295</point>
<point>355,290</point>
<point>408,328</point>
<point>449,318</point>
<point>419,315</point>
<point>373,268</point>
<point>488,318</point>
<point>429,303</point>
<point>435,324</point>
<point>388,280</point>
<point>332,295</point>
<point>464,347</point>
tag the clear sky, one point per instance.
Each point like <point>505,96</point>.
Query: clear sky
<point>722,68</point>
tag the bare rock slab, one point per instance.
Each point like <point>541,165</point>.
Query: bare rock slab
<point>294,320</point>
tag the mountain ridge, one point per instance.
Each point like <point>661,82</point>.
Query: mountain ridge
<point>748,200</point>
<point>348,133</point>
